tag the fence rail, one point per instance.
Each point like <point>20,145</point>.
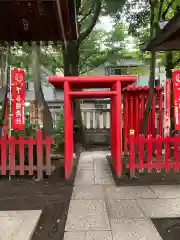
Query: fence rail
<point>26,155</point>
<point>147,153</point>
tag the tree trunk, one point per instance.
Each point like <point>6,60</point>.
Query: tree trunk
<point>3,67</point>
<point>151,93</point>
<point>71,65</point>
<point>47,118</point>
<point>169,66</point>
<point>153,28</point>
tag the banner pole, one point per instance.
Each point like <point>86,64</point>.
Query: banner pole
<point>10,103</point>
<point>10,110</point>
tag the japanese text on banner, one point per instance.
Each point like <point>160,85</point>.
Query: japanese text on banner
<point>176,89</point>
<point>18,98</point>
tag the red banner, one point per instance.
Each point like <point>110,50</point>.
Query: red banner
<point>176,89</point>
<point>167,108</point>
<point>18,98</point>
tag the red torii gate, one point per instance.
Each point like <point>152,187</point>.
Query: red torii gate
<point>116,84</point>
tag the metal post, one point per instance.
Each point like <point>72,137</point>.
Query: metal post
<point>10,110</point>
<point>10,104</point>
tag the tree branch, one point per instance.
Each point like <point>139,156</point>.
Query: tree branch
<point>92,23</point>
<point>87,14</point>
<point>167,9</point>
<point>160,10</point>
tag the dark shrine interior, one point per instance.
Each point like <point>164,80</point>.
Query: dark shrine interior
<point>37,20</point>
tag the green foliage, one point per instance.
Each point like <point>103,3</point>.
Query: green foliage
<point>58,134</point>
<point>100,47</point>
<point>140,23</point>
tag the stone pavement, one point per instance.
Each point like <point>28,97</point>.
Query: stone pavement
<point>18,225</point>
<point>101,211</point>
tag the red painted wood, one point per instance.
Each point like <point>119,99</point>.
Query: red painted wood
<point>21,152</point>
<point>113,130</point>
<point>176,153</point>
<point>141,151</point>
<point>92,94</point>
<point>9,163</point>
<point>118,130</point>
<point>149,150</point>
<point>167,141</point>
<point>30,156</point>
<point>125,110</point>
<point>160,162</point>
<point>132,154</point>
<point>4,145</point>
<point>142,105</point>
<point>158,150</point>
<point>131,113</point>
<point>112,133</point>
<point>67,131</point>
<point>80,82</point>
<point>12,155</point>
<point>137,115</point>
<point>160,115</point>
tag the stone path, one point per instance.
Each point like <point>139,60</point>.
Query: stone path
<point>101,211</point>
<point>18,225</point>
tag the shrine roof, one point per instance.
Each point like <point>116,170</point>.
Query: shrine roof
<point>46,20</point>
<point>168,38</point>
<point>133,88</point>
<point>81,82</point>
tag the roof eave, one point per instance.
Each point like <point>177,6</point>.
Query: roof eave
<point>170,28</point>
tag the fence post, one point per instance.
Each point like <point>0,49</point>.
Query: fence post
<point>150,152</point>
<point>12,155</point>
<point>21,152</point>
<point>132,153</point>
<point>176,141</point>
<point>4,155</point>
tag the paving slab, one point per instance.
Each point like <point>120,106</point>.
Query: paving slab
<point>135,192</point>
<point>118,209</point>
<point>89,235</point>
<point>87,215</point>
<point>160,208</point>
<point>104,173</point>
<point>134,229</point>
<point>103,180</point>
<point>9,227</point>
<point>19,213</point>
<point>84,177</point>
<point>18,225</point>
<point>28,226</point>
<point>101,211</point>
<point>93,192</point>
<point>88,166</point>
<point>86,157</point>
<point>166,191</point>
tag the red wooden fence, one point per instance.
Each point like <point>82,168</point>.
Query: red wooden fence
<point>147,153</point>
<point>10,165</point>
<point>135,99</point>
